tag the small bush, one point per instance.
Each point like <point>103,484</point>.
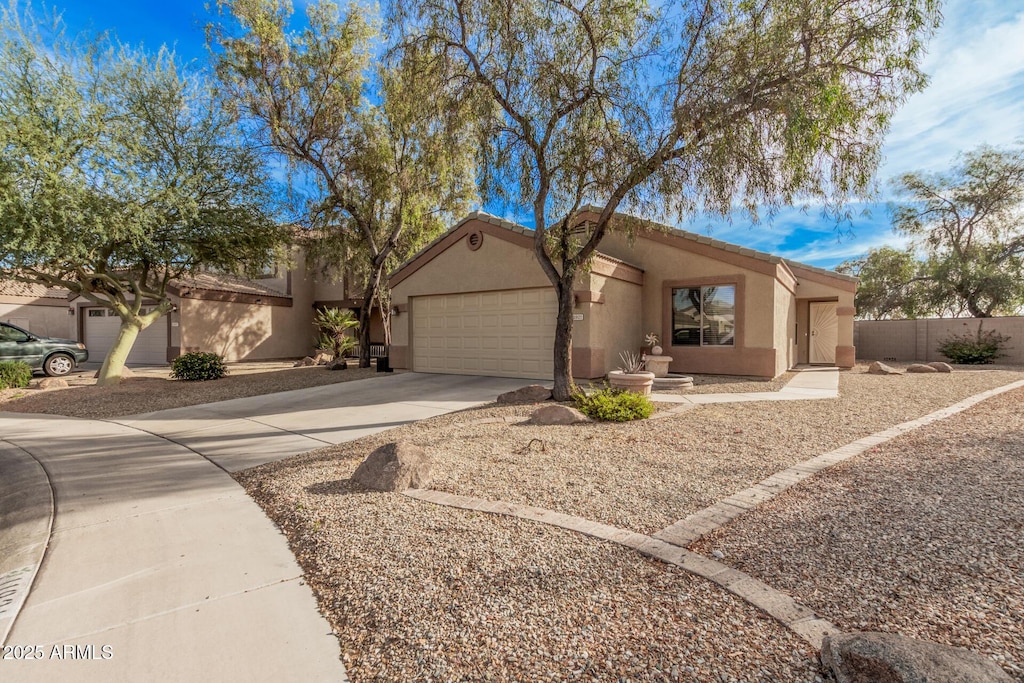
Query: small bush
<point>974,349</point>
<point>14,374</point>
<point>198,366</point>
<point>614,405</point>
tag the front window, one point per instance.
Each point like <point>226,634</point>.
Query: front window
<point>704,316</point>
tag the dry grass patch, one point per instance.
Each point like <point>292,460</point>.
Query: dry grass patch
<point>146,394</point>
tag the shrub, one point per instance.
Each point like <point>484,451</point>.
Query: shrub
<point>974,349</point>
<point>14,374</point>
<point>198,366</point>
<point>614,405</point>
<point>333,325</point>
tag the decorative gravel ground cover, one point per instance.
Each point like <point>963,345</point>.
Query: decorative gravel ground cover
<point>923,535</point>
<point>421,592</point>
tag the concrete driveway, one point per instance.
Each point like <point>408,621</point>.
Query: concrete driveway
<point>245,432</point>
<point>125,556</point>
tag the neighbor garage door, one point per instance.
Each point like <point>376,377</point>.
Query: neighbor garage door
<point>502,334</point>
<point>101,328</point>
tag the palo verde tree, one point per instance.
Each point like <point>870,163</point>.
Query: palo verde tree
<point>968,224</point>
<point>670,107</point>
<point>387,165</point>
<point>120,171</point>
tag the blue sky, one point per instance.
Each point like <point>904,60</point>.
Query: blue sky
<point>976,95</point>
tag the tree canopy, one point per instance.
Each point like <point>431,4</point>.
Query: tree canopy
<point>966,255</point>
<point>670,108</point>
<point>386,168</point>
<point>120,171</point>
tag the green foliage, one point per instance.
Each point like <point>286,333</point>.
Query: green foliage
<point>670,108</point>
<point>14,374</point>
<point>889,286</point>
<point>966,223</point>
<point>121,170</point>
<point>614,405</point>
<point>389,173</point>
<point>198,366</point>
<point>333,325</point>
<point>974,349</point>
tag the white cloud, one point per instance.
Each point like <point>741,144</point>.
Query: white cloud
<point>976,94</point>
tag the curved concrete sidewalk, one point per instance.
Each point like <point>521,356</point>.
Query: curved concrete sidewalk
<point>159,567</point>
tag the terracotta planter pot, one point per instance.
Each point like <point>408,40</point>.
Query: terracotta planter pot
<point>638,383</point>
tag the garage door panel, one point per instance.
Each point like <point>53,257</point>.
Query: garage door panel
<point>101,330</point>
<point>507,333</point>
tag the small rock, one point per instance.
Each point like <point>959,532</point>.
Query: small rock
<point>52,383</point>
<point>305,362</point>
<point>892,658</point>
<point>534,393</point>
<point>718,554</point>
<point>878,368</point>
<point>322,358</point>
<point>922,368</point>
<point>394,467</point>
<point>337,365</point>
<point>557,415</point>
<point>941,367</point>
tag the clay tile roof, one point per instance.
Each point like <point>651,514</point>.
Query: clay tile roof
<point>220,282</point>
<point>36,291</point>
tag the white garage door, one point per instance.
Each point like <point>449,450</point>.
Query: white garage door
<point>508,333</point>
<point>101,328</point>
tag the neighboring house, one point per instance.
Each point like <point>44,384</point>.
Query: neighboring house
<point>36,308</point>
<point>262,319</point>
<point>475,301</point>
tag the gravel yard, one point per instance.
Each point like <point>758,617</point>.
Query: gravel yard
<point>421,592</point>
<point>417,591</point>
<point>921,535</point>
<point>143,394</point>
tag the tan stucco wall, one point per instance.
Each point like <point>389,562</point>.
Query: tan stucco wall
<point>785,328</point>
<point>664,263</point>
<point>49,318</point>
<point>609,326</point>
<point>249,331</point>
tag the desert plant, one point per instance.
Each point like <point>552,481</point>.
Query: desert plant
<point>198,366</point>
<point>981,348</point>
<point>614,405</point>
<point>632,363</point>
<point>14,374</point>
<point>333,325</point>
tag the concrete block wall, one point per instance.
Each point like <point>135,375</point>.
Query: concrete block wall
<point>910,340</point>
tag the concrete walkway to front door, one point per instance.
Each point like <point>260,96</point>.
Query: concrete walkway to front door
<point>809,383</point>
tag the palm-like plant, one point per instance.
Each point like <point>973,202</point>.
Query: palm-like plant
<point>333,325</point>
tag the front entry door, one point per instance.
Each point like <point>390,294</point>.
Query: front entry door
<point>824,332</point>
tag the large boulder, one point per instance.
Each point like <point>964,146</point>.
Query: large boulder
<point>340,364</point>
<point>323,358</point>
<point>305,362</point>
<point>395,467</point>
<point>871,657</point>
<point>879,368</point>
<point>557,415</point>
<point>534,393</point>
<point>941,367</point>
<point>52,383</point>
<point>921,368</point>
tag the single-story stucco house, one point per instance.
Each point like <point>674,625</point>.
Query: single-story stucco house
<point>475,301</point>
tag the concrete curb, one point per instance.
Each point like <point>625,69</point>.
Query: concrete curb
<point>687,530</point>
<point>26,520</point>
<point>798,618</point>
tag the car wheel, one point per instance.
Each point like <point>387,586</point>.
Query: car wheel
<point>58,365</point>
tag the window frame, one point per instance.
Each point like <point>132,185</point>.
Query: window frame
<point>737,280</point>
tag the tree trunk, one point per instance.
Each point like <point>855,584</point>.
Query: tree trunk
<point>113,364</point>
<point>564,386</point>
<point>369,296</point>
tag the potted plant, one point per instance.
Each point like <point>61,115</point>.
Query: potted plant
<point>631,375</point>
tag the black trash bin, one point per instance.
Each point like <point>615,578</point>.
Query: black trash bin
<point>384,364</point>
